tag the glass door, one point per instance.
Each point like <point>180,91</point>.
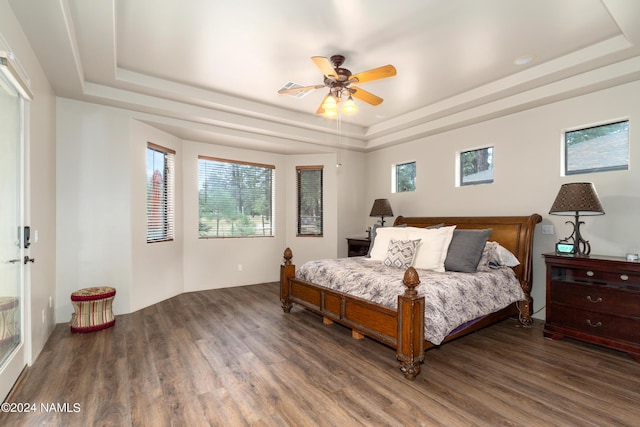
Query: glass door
<point>12,359</point>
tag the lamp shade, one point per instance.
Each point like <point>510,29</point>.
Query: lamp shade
<point>350,106</point>
<point>381,207</point>
<point>577,198</point>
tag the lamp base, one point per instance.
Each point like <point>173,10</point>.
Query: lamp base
<point>582,247</point>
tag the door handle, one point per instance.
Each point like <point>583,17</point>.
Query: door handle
<point>27,259</point>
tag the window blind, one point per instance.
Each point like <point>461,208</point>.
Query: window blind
<point>310,206</point>
<point>235,198</point>
<point>160,193</point>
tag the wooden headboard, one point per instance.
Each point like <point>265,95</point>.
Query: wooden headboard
<point>515,233</point>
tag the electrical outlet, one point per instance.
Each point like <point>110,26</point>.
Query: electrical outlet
<point>547,229</point>
<point>43,315</point>
<point>50,302</point>
<point>239,267</point>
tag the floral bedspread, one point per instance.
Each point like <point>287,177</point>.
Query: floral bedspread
<point>451,299</point>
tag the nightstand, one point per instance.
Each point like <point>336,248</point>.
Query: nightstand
<point>358,246</point>
<point>595,299</point>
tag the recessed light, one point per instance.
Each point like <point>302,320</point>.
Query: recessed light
<point>524,59</point>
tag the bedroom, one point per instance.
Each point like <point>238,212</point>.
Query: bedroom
<point>87,253</point>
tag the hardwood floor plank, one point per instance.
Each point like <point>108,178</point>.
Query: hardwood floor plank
<point>567,380</point>
<point>231,357</point>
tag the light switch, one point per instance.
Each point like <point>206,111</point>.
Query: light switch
<point>547,229</point>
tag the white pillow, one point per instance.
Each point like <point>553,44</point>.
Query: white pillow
<point>383,238</point>
<point>505,257</point>
<point>495,256</point>
<point>433,246</point>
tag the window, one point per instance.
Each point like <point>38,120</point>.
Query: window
<point>235,198</point>
<point>476,166</point>
<point>160,193</point>
<point>309,185</point>
<point>405,177</point>
<point>597,148</point>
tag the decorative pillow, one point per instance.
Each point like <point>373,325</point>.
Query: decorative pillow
<point>465,250</point>
<point>400,253</point>
<point>433,246</point>
<point>380,245</point>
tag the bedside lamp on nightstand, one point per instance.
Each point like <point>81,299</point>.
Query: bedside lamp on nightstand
<point>381,208</point>
<point>577,198</point>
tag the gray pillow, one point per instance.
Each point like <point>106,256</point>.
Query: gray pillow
<point>465,250</point>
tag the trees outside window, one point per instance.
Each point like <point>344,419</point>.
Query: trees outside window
<point>309,192</point>
<point>476,166</point>
<point>235,198</point>
<point>405,177</point>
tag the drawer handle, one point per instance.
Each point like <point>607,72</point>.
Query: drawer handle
<point>589,273</point>
<point>594,325</point>
<point>595,301</point>
<point>624,277</point>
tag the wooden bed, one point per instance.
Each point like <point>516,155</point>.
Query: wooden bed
<point>403,329</point>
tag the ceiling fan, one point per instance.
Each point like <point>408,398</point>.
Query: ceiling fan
<point>342,83</point>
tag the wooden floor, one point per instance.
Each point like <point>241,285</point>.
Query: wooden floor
<point>201,359</point>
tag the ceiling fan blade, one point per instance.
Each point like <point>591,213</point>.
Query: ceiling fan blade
<point>365,96</point>
<point>324,65</point>
<point>375,74</point>
<point>300,89</point>
<point>320,109</point>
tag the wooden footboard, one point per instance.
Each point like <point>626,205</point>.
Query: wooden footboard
<point>404,329</point>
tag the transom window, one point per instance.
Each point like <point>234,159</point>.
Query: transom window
<point>160,193</point>
<point>476,166</point>
<point>235,198</point>
<point>309,185</point>
<point>405,177</point>
<point>597,148</point>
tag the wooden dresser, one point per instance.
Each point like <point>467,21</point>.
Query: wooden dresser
<point>595,299</point>
<point>358,246</point>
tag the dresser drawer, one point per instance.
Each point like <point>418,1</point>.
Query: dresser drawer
<point>597,298</point>
<point>587,275</point>
<point>596,324</point>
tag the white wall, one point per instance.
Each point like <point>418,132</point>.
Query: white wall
<point>94,203</point>
<point>102,212</point>
<point>157,268</point>
<point>343,199</point>
<point>527,174</point>
<point>39,186</point>
<point>306,248</point>
<point>214,263</point>
<point>351,198</point>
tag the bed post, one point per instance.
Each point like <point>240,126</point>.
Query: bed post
<point>525,307</point>
<point>410,346</point>
<point>287,270</point>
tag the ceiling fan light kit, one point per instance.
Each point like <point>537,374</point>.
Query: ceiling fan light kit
<point>330,103</point>
<point>339,81</point>
<point>350,106</point>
